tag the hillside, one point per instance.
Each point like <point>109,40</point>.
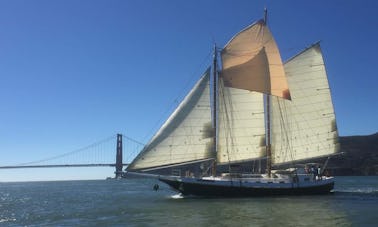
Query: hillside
<point>359,156</point>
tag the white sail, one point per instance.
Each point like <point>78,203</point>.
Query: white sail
<point>241,129</point>
<point>304,127</point>
<point>186,135</point>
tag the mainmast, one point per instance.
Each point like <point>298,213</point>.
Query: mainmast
<point>268,143</point>
<point>215,107</point>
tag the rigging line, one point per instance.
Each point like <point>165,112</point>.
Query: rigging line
<point>289,149</point>
<point>295,107</point>
<point>297,125</point>
<point>175,102</point>
<point>284,147</point>
<point>227,126</point>
<point>133,140</point>
<point>204,173</point>
<point>135,147</point>
<point>71,152</point>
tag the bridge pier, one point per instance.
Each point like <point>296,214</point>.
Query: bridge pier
<point>119,161</point>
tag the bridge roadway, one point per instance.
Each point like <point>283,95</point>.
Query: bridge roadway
<point>58,166</point>
<point>118,164</point>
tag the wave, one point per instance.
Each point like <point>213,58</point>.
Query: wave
<point>360,192</point>
<point>7,220</point>
<point>177,196</point>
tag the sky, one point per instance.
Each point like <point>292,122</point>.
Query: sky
<point>76,72</point>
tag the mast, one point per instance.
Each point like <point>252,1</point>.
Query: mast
<point>265,15</point>
<point>215,94</point>
<point>268,143</point>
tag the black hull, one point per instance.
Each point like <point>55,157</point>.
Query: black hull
<point>208,190</point>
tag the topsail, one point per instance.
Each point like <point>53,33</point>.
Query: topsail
<point>252,61</point>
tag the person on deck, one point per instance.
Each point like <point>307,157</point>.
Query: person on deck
<point>313,172</point>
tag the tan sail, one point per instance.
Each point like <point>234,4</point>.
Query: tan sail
<point>251,61</point>
<point>241,129</point>
<point>186,135</point>
<point>304,127</point>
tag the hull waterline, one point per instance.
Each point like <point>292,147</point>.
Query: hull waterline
<point>199,187</point>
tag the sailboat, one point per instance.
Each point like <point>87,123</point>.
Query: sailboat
<point>255,109</point>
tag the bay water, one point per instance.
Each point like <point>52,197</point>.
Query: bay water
<point>133,202</point>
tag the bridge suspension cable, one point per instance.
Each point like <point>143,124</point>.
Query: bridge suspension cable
<point>92,148</point>
<point>101,153</point>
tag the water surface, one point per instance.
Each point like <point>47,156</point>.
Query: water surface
<point>132,202</point>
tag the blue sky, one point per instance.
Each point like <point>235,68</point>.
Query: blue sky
<point>75,72</point>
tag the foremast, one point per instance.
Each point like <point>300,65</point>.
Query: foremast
<point>215,108</point>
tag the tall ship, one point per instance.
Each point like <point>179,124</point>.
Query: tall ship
<point>251,108</point>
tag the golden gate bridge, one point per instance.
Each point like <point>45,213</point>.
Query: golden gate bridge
<point>99,154</point>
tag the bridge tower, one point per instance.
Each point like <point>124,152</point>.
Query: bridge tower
<point>119,164</point>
